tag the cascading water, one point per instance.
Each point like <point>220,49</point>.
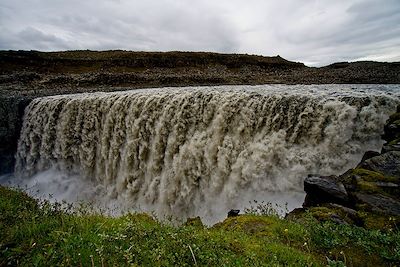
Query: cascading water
<point>199,151</point>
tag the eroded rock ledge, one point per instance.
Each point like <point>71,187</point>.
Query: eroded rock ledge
<point>368,195</point>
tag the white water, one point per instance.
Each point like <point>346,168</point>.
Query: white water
<point>198,151</point>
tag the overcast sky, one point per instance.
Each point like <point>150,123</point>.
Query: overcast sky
<point>316,32</point>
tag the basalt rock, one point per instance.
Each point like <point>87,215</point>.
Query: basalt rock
<point>324,189</point>
<point>379,203</point>
<point>392,146</point>
<point>11,114</point>
<point>388,164</point>
<point>233,213</point>
<point>369,154</point>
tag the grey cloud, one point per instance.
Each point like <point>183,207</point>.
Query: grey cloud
<point>317,32</point>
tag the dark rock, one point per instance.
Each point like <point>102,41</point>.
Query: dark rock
<point>395,146</point>
<point>379,203</point>
<point>11,114</point>
<point>392,189</point>
<point>388,164</point>
<point>392,131</point>
<point>369,154</point>
<point>337,219</point>
<point>324,189</point>
<point>347,213</point>
<point>233,213</point>
<point>350,212</point>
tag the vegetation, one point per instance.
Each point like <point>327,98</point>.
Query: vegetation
<point>37,233</point>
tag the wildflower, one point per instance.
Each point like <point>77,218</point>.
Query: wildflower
<point>286,231</point>
<point>305,244</point>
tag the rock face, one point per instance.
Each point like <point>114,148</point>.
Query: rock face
<point>11,110</point>
<point>388,164</point>
<point>324,189</point>
<point>379,203</point>
<point>368,195</point>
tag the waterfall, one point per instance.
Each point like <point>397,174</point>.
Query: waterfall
<point>202,150</point>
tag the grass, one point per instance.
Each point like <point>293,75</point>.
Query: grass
<point>37,233</point>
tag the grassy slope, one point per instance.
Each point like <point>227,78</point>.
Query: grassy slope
<point>33,233</point>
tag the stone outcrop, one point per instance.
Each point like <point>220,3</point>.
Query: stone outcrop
<point>12,111</point>
<point>324,189</point>
<point>387,164</point>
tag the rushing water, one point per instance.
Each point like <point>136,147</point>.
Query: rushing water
<point>201,150</point>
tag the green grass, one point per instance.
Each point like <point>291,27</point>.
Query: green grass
<point>36,233</point>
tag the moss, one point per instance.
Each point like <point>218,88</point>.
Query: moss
<point>351,256</point>
<point>321,213</point>
<point>194,222</point>
<point>394,118</point>
<point>139,217</point>
<point>368,187</point>
<point>377,221</point>
<point>372,176</point>
<point>251,224</point>
<point>394,142</point>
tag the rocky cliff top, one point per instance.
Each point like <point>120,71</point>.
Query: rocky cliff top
<point>32,73</point>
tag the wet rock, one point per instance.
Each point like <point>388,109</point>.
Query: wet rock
<point>379,203</point>
<point>11,114</point>
<point>388,164</point>
<point>233,213</point>
<point>392,146</point>
<point>392,130</point>
<point>324,189</point>
<point>369,154</point>
<point>392,127</point>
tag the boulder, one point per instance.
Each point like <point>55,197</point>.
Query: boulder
<point>392,146</point>
<point>392,129</point>
<point>324,189</point>
<point>347,214</point>
<point>388,164</point>
<point>233,213</point>
<point>369,154</point>
<point>379,203</point>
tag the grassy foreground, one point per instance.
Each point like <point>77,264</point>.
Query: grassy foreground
<point>34,233</point>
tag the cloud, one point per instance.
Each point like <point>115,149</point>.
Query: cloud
<point>317,32</point>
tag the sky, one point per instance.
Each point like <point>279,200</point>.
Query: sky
<point>315,32</point>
